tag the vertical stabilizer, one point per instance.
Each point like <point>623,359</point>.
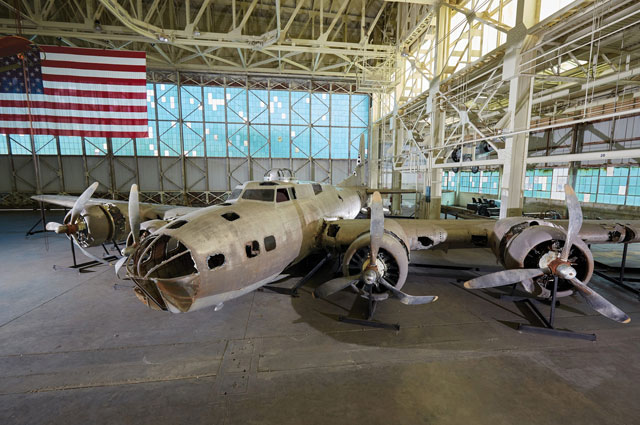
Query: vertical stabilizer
<point>358,177</point>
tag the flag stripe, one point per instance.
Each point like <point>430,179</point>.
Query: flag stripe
<point>60,99</point>
<point>16,104</point>
<point>93,52</point>
<point>95,66</point>
<point>64,57</point>
<point>79,91</point>
<point>80,126</point>
<point>94,80</point>
<point>63,112</point>
<point>72,120</point>
<point>91,73</point>
<point>79,133</point>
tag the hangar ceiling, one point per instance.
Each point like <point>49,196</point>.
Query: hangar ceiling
<point>334,39</point>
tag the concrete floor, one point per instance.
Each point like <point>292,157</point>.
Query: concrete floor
<point>75,349</point>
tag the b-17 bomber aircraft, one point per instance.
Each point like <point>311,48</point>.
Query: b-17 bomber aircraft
<point>183,259</point>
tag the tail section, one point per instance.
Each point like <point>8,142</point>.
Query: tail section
<point>358,178</point>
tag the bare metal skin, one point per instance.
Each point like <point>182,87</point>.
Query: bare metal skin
<point>192,258</point>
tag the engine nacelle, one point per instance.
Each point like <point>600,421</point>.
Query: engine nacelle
<point>525,242</point>
<point>393,259</point>
<point>101,223</point>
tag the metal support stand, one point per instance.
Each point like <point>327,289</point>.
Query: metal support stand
<point>294,290</point>
<point>620,280</point>
<point>371,309</point>
<point>42,220</point>
<point>82,267</point>
<point>547,327</point>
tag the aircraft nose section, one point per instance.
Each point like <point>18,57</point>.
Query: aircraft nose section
<point>164,269</point>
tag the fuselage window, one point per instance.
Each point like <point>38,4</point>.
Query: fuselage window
<point>265,195</point>
<point>215,261</point>
<point>282,195</point>
<point>316,188</point>
<point>235,194</point>
<point>176,224</point>
<point>269,243</point>
<point>252,248</point>
<point>230,216</point>
<point>293,193</point>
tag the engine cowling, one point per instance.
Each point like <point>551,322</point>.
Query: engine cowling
<point>393,259</point>
<point>526,243</point>
<point>101,223</point>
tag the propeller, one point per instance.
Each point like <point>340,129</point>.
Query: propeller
<point>72,222</point>
<point>71,226</point>
<point>555,264</point>
<point>371,276</point>
<point>134,220</point>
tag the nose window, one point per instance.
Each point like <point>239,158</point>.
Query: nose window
<point>215,261</point>
<point>252,248</point>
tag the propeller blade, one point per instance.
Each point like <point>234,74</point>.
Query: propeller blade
<point>376,225</point>
<point>406,298</point>
<point>501,278</point>
<point>334,285</point>
<point>599,303</point>
<point>121,262</point>
<point>575,220</point>
<point>88,254</point>
<point>52,226</point>
<point>527,284</point>
<point>134,214</point>
<point>78,206</point>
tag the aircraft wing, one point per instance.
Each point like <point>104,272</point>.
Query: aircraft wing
<point>148,210</point>
<point>451,234</point>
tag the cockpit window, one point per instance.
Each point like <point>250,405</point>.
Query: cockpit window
<point>235,194</point>
<point>265,195</point>
<point>282,195</point>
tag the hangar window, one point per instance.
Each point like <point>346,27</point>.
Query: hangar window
<point>252,248</point>
<point>215,261</point>
<point>230,216</point>
<point>265,195</point>
<point>176,224</point>
<point>316,188</point>
<point>282,195</point>
<point>269,243</point>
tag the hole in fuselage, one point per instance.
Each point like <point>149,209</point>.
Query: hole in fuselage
<point>167,258</point>
<point>425,241</point>
<point>215,261</point>
<point>230,216</point>
<point>252,249</point>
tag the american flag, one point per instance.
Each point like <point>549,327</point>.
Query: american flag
<point>74,92</point>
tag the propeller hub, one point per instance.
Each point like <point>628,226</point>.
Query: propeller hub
<point>565,271</point>
<point>370,276</point>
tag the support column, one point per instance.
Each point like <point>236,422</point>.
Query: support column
<point>516,147</point>
<point>433,207</point>
<point>396,176</point>
<point>374,155</point>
